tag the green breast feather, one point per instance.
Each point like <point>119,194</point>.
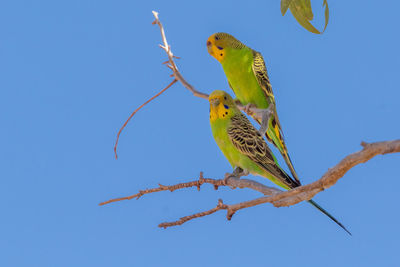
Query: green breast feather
<point>238,68</point>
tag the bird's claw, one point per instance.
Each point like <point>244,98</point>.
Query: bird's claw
<point>237,173</point>
<point>227,176</point>
<point>248,108</point>
<point>266,116</point>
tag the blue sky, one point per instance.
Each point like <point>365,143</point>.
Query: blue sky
<point>72,71</point>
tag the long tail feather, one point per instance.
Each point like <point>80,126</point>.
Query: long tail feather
<point>289,163</point>
<point>312,202</point>
<point>274,136</point>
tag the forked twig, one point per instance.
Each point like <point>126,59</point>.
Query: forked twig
<point>166,47</point>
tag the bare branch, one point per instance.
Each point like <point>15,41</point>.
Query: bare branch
<point>330,178</point>
<point>220,206</point>
<point>232,181</point>
<point>171,61</point>
<point>307,192</point>
<point>273,195</point>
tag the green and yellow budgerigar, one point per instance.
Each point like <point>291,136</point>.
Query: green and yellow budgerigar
<point>248,78</point>
<point>244,147</point>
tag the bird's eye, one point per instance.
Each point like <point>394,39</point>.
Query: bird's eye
<point>208,43</point>
<point>220,48</point>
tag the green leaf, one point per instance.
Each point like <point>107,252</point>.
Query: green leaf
<point>306,9</point>
<point>284,6</point>
<point>326,13</point>
<point>300,12</point>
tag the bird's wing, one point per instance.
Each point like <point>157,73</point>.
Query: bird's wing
<point>249,142</point>
<point>260,71</point>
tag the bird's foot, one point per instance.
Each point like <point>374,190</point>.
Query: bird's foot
<point>237,173</point>
<point>266,115</point>
<point>248,108</point>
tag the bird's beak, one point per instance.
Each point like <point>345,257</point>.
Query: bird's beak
<point>214,102</point>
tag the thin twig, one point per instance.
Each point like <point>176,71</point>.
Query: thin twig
<point>171,61</point>
<point>232,181</point>
<point>171,188</point>
<point>136,110</point>
<point>220,206</point>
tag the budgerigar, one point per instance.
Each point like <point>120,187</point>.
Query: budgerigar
<point>248,78</point>
<point>244,147</point>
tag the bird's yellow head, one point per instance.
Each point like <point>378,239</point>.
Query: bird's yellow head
<point>222,106</point>
<point>219,44</point>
